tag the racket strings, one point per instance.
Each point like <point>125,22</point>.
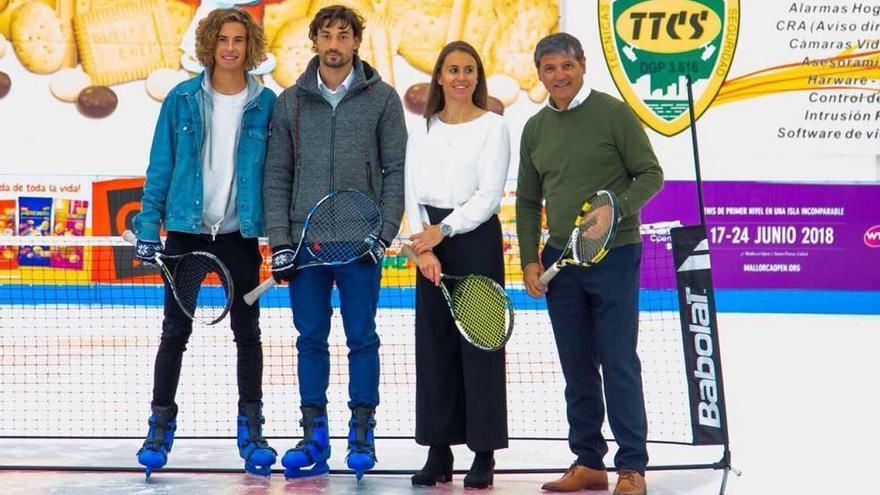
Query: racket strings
<point>589,240</point>
<point>202,287</point>
<point>343,227</point>
<point>482,309</point>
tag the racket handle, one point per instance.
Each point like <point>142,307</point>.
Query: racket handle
<point>129,237</point>
<point>548,274</point>
<point>259,290</point>
<point>407,251</point>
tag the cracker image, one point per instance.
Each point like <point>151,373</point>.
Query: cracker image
<point>361,6</point>
<point>65,10</point>
<point>10,7</point>
<point>277,14</point>
<point>293,50</point>
<point>126,42</point>
<point>423,29</point>
<point>510,50</point>
<point>181,15</point>
<point>378,46</point>
<point>38,37</point>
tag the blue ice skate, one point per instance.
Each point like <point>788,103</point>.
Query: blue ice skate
<point>314,448</point>
<point>160,437</point>
<point>252,447</point>
<point>361,447</point>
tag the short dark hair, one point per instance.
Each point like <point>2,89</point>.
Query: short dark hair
<point>558,43</point>
<point>436,101</point>
<point>332,14</point>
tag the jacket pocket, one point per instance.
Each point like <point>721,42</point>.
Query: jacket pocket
<point>258,133</point>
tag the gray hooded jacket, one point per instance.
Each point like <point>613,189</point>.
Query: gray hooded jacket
<point>314,150</point>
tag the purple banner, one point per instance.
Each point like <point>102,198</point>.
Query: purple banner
<point>781,236</point>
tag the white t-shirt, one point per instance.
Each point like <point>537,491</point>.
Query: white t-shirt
<point>461,167</point>
<point>220,214</point>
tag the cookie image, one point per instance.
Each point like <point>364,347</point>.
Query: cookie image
<point>180,14</point>
<point>293,50</point>
<point>66,84</point>
<point>96,102</point>
<point>5,84</point>
<point>524,23</point>
<point>423,28</point>
<point>38,37</point>
<point>277,14</point>
<point>161,81</point>
<point>361,6</point>
<point>538,93</point>
<point>10,7</point>
<point>378,46</point>
<point>126,42</point>
<point>505,88</point>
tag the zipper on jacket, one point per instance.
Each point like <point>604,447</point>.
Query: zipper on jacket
<point>332,145</point>
<point>370,179</point>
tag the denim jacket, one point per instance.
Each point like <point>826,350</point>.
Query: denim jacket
<point>173,189</point>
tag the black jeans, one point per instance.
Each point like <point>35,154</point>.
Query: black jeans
<point>242,257</point>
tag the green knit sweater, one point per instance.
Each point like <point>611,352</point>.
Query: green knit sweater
<point>565,157</point>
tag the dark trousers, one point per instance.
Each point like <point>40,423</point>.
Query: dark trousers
<point>461,394</point>
<point>595,317</point>
<point>310,300</point>
<point>242,257</point>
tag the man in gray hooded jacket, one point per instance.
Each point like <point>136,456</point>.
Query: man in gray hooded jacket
<point>339,127</point>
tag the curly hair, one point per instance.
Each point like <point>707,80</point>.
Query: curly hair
<point>209,29</point>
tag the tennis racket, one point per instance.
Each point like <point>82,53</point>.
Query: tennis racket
<point>340,228</point>
<point>480,307</point>
<point>199,281</point>
<point>594,231</point>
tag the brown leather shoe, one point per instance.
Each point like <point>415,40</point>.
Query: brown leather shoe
<point>630,483</point>
<point>579,478</point>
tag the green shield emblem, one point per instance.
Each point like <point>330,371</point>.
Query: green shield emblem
<point>653,46</point>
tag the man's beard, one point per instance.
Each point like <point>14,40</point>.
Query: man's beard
<point>340,60</point>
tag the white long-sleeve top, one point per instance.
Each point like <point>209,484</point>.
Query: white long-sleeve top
<point>462,167</point>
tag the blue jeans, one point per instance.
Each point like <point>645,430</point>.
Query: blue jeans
<point>310,301</point>
<point>595,316</point>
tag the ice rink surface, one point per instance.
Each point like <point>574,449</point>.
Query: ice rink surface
<point>801,400</point>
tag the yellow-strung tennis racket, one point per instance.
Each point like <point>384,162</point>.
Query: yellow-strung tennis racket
<point>594,231</point>
<point>480,307</point>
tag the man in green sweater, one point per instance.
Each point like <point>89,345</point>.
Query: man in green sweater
<point>581,142</point>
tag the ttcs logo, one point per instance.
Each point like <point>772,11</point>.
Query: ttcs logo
<point>653,46</point>
<point>872,237</point>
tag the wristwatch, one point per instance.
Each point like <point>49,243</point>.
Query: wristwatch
<point>445,229</point>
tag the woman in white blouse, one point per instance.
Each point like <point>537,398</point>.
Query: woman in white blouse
<point>456,167</point>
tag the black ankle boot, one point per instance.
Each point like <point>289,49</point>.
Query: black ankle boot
<point>438,467</point>
<point>482,472</point>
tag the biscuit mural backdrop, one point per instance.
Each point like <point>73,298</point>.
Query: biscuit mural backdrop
<point>786,93</point>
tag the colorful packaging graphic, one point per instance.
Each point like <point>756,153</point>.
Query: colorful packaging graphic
<point>34,218</point>
<point>69,220</point>
<point>7,227</point>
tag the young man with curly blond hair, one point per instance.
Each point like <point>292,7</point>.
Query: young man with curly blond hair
<point>203,187</point>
